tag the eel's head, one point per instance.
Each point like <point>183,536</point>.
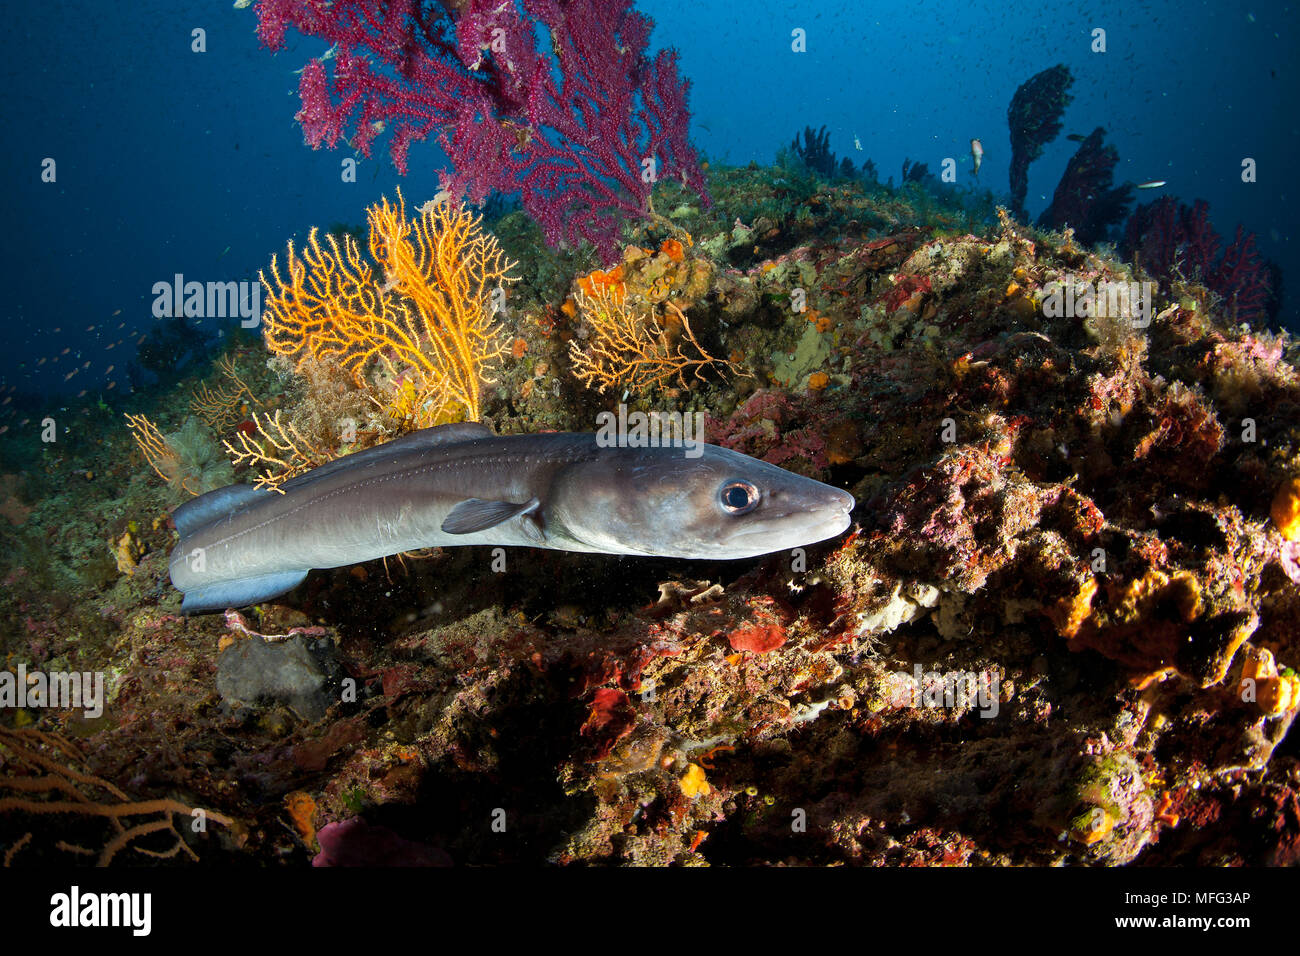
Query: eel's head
<point>719,505</point>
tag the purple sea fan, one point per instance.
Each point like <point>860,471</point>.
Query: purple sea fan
<point>581,124</point>
<point>1171,239</point>
<point>1086,197</point>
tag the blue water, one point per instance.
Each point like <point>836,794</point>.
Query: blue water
<point>171,161</point>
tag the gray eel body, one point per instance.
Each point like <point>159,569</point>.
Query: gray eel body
<point>463,485</point>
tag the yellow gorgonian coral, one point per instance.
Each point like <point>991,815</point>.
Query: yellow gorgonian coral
<point>277,448</point>
<point>161,455</point>
<point>221,407</point>
<point>416,329</point>
<point>629,348</point>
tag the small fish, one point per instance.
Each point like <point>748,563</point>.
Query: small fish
<point>1153,184</point>
<point>857,143</point>
<point>1076,137</point>
<point>977,155</point>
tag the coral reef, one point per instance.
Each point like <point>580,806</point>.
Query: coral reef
<point>1064,629</point>
<point>224,405</point>
<point>276,450</point>
<point>815,151</point>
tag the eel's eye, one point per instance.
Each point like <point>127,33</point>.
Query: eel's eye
<point>738,497</point>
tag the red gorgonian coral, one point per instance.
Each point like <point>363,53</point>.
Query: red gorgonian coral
<point>580,124</point>
<point>1172,240</point>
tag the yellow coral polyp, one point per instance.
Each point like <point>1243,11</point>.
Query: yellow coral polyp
<point>1286,509</point>
<point>424,315</point>
<point>1092,826</point>
<point>1274,692</point>
<point>593,282</point>
<point>672,249</point>
<point>127,551</point>
<point>1069,613</point>
<point>694,783</point>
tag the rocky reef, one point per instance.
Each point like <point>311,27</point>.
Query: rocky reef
<point>1062,629</point>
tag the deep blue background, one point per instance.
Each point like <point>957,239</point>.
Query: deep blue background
<point>167,158</point>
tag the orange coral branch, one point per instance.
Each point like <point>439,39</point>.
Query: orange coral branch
<point>33,771</point>
<point>221,407</point>
<point>633,349</point>
<point>281,453</point>
<point>157,450</point>
<point>217,407</point>
<point>427,325</point>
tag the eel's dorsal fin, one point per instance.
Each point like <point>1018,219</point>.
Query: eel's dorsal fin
<point>479,514</point>
<point>208,508</point>
<point>449,434</point>
<point>424,438</point>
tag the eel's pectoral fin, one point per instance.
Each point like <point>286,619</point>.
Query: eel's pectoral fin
<point>479,514</point>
